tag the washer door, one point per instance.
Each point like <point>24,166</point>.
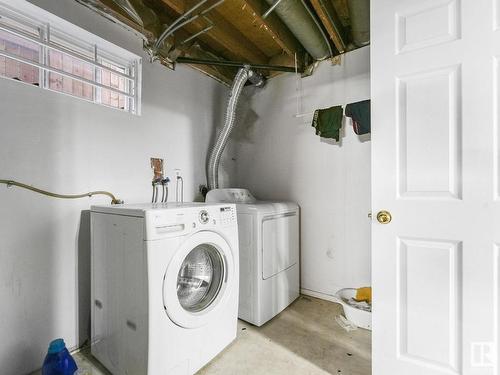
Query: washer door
<point>198,280</point>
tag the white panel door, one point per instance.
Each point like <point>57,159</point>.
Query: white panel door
<point>435,149</point>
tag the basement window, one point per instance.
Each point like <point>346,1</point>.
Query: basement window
<point>40,49</point>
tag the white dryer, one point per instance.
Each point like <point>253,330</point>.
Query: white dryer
<point>269,253</point>
<point>164,286</point>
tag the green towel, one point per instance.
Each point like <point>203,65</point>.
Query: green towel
<point>328,122</point>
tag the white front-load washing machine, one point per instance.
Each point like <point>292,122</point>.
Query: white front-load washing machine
<point>269,253</point>
<point>164,286</point>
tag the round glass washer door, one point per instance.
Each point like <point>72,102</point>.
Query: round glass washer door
<point>199,279</point>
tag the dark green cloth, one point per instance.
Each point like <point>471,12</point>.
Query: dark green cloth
<point>360,114</point>
<point>328,122</point>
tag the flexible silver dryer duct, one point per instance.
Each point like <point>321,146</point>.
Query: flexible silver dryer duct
<point>243,75</point>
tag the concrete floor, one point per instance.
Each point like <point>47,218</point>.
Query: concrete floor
<point>304,339</point>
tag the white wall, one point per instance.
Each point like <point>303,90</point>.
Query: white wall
<point>280,157</point>
<point>67,145</point>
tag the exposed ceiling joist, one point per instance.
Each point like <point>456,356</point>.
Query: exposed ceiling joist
<point>221,73</point>
<point>276,28</point>
<point>212,72</point>
<point>223,34</point>
<point>110,10</point>
<point>218,36</point>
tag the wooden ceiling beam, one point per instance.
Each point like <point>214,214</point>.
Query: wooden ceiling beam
<point>213,73</point>
<point>332,23</point>
<point>109,9</point>
<point>196,50</point>
<point>223,34</point>
<point>274,26</point>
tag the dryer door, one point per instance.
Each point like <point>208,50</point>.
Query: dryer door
<point>198,280</point>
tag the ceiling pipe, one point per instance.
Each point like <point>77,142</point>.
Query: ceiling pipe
<point>359,13</point>
<point>130,10</point>
<point>141,14</point>
<point>318,25</point>
<point>332,23</point>
<point>148,26</point>
<point>271,8</point>
<point>177,24</point>
<point>166,32</point>
<point>298,19</point>
<point>196,35</point>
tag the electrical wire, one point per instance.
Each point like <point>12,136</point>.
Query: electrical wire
<point>177,24</point>
<point>10,183</point>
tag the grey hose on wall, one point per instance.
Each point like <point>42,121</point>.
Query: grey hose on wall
<point>243,75</point>
<point>11,183</point>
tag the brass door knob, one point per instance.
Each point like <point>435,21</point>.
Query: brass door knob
<point>384,217</point>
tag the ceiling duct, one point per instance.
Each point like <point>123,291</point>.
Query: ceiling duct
<point>359,13</point>
<point>294,14</point>
<point>244,74</point>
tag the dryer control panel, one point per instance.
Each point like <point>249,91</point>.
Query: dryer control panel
<point>230,196</point>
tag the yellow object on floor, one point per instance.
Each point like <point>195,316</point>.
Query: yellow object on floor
<point>364,294</point>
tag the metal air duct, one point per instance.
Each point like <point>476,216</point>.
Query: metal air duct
<point>359,13</point>
<point>298,19</point>
<point>243,75</point>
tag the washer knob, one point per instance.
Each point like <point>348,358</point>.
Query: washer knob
<point>204,217</point>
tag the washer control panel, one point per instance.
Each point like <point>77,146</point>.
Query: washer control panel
<point>204,217</point>
<point>227,215</point>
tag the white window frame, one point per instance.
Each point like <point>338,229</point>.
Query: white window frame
<point>32,16</point>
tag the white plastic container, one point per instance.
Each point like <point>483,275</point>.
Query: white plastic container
<point>358,313</point>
